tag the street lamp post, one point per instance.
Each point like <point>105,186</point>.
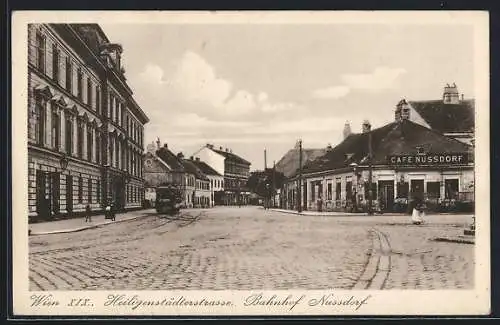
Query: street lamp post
<point>299,189</point>
<point>355,174</point>
<point>370,167</point>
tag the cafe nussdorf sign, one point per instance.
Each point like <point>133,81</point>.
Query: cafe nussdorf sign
<point>428,159</point>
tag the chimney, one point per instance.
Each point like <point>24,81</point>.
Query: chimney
<point>197,158</point>
<point>220,148</point>
<point>227,150</point>
<point>462,99</point>
<point>158,143</point>
<point>180,155</point>
<point>191,158</point>
<point>347,130</point>
<point>329,147</point>
<point>450,94</point>
<point>165,145</point>
<point>366,127</point>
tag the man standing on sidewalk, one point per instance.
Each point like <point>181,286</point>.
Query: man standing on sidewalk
<point>88,213</point>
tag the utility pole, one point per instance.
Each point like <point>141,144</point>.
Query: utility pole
<point>299,189</point>
<point>370,167</point>
<point>274,182</point>
<point>265,160</point>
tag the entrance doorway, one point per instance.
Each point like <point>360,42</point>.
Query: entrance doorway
<point>304,196</point>
<point>118,193</point>
<point>42,195</point>
<point>417,188</point>
<point>386,195</point>
<point>451,188</point>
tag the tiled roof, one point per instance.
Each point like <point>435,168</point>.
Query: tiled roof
<point>170,159</point>
<point>191,168</point>
<point>232,156</point>
<point>206,169</point>
<point>446,118</point>
<point>289,163</point>
<point>395,138</point>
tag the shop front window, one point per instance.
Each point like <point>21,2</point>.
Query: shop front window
<point>403,189</point>
<point>348,189</point>
<point>433,190</point>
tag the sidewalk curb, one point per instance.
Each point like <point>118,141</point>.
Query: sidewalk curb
<point>361,214</point>
<point>337,214</point>
<point>65,231</point>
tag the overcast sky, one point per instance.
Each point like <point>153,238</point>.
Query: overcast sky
<point>251,87</point>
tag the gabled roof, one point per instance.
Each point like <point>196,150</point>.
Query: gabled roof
<point>396,138</point>
<point>232,156</point>
<point>206,169</point>
<point>155,157</point>
<point>191,168</point>
<point>170,159</point>
<point>447,118</point>
<point>289,163</point>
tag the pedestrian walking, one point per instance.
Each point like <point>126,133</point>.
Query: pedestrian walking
<point>88,213</point>
<point>113,215</point>
<point>107,212</point>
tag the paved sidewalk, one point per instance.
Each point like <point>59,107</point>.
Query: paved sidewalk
<point>317,213</point>
<point>78,224</point>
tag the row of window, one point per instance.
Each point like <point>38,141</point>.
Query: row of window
<point>120,155</point>
<point>234,183</point>
<point>117,114</point>
<point>123,157</point>
<point>116,108</point>
<point>202,185</point>
<point>403,190</point>
<point>41,60</point>
<point>202,201</point>
<point>216,183</point>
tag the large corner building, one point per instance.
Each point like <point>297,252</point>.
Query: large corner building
<point>85,130</point>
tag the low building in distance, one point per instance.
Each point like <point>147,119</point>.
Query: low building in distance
<point>235,169</point>
<point>200,196</point>
<point>216,182</point>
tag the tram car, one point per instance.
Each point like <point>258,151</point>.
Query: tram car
<point>168,199</point>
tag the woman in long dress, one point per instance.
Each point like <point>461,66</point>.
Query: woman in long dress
<point>417,216</point>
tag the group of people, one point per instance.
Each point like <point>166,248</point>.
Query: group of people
<point>109,213</point>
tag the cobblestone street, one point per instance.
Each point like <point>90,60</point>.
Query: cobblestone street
<point>251,248</point>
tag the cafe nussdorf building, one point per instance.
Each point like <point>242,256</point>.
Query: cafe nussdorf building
<point>409,158</point>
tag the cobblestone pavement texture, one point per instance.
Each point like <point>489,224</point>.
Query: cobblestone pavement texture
<point>246,249</point>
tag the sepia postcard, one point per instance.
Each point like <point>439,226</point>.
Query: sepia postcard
<point>250,163</point>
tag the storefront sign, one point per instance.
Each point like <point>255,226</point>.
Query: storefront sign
<point>428,159</point>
